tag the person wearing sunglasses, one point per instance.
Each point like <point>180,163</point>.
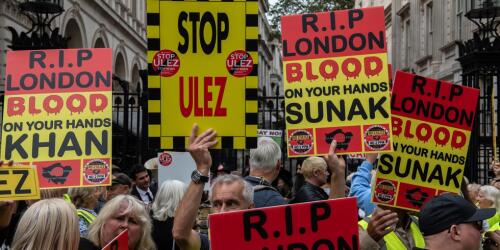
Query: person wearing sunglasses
<point>449,221</point>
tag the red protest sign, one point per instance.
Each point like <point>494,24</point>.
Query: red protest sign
<point>431,123</point>
<point>120,242</point>
<point>58,115</point>
<point>330,224</point>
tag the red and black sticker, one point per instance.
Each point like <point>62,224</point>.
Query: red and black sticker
<point>166,62</point>
<point>377,137</point>
<point>300,142</point>
<point>165,159</point>
<point>385,191</point>
<point>96,171</point>
<point>414,196</point>
<point>239,63</point>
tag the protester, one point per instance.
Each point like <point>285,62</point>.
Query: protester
<point>315,171</point>
<point>163,211</point>
<point>121,184</point>
<point>48,224</point>
<point>265,164</point>
<point>143,189</point>
<point>228,193</point>
<point>361,184</point>
<point>299,179</point>
<point>85,200</point>
<point>449,221</point>
<point>489,197</point>
<point>120,213</point>
<point>473,190</point>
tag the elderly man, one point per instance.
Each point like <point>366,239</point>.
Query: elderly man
<point>315,171</point>
<point>265,164</point>
<point>228,192</point>
<point>449,221</point>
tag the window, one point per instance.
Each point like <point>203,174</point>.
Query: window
<point>428,29</point>
<point>406,43</point>
<point>458,21</point>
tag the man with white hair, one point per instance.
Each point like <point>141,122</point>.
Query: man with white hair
<point>227,193</point>
<point>265,165</point>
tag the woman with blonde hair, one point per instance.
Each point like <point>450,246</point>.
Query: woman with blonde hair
<point>120,213</point>
<point>167,199</point>
<point>49,224</point>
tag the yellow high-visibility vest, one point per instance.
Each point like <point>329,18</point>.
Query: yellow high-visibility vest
<point>88,217</point>
<point>393,242</point>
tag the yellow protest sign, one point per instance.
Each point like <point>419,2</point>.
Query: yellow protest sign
<point>431,123</point>
<point>336,82</point>
<point>203,64</point>
<point>19,183</point>
<point>57,115</point>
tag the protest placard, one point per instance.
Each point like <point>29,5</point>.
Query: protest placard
<point>431,123</point>
<point>19,183</point>
<point>329,224</point>
<point>203,61</point>
<point>336,82</point>
<point>120,242</point>
<point>57,115</point>
<point>176,166</point>
<point>276,135</point>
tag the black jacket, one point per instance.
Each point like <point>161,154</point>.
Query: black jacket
<point>309,192</point>
<point>135,193</point>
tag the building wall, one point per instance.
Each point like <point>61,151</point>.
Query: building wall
<point>421,35</point>
<point>116,24</point>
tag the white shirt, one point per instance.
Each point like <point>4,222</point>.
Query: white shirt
<point>144,196</point>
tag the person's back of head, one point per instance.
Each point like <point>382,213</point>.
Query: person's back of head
<point>48,224</point>
<point>266,156</point>
<point>491,194</point>
<point>85,197</point>
<point>167,199</point>
<point>449,221</point>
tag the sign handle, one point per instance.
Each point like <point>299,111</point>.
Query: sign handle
<point>493,124</point>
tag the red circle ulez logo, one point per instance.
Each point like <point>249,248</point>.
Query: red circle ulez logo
<point>165,159</point>
<point>377,137</point>
<point>239,63</point>
<point>385,191</point>
<point>300,142</point>
<point>166,62</point>
<point>96,171</point>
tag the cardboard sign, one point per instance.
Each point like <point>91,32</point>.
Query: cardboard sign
<point>176,166</point>
<point>336,82</point>
<point>431,123</point>
<point>276,135</point>
<point>58,116</point>
<point>120,242</point>
<point>18,183</point>
<point>203,61</point>
<point>330,224</point>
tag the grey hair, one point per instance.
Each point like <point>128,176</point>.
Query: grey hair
<point>492,194</point>
<point>167,199</point>
<point>230,178</point>
<point>266,155</point>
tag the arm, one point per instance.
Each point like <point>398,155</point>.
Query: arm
<point>337,167</point>
<point>360,185</point>
<point>185,216</point>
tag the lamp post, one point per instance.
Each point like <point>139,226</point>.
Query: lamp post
<point>481,69</point>
<point>41,13</point>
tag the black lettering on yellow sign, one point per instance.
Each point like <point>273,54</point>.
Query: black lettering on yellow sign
<point>420,171</point>
<point>219,28</point>
<point>336,112</point>
<point>19,186</point>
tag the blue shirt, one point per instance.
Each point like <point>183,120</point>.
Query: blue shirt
<point>361,187</point>
<point>267,196</point>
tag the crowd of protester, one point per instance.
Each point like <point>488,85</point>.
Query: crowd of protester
<point>163,218</point>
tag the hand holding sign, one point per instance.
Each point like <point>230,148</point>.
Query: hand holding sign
<point>381,223</point>
<point>336,164</point>
<point>198,148</point>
